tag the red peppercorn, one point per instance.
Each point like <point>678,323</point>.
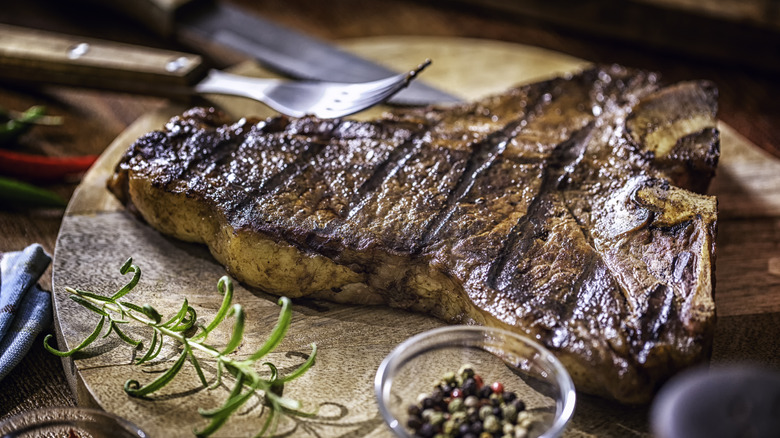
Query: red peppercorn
<point>497,387</point>
<point>456,393</point>
<point>478,379</point>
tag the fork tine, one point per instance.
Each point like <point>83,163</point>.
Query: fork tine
<point>372,93</point>
<point>321,99</point>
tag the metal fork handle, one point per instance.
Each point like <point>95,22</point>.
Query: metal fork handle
<point>217,81</point>
<point>28,55</point>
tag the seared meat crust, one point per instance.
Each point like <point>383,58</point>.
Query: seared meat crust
<point>568,210</point>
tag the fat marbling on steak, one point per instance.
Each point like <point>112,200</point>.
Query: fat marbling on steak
<point>568,210</point>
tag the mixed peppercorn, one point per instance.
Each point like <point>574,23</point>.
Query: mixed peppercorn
<point>462,406</point>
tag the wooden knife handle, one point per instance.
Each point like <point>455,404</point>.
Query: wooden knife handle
<point>36,56</point>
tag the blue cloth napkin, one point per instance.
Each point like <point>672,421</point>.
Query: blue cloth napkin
<point>25,309</point>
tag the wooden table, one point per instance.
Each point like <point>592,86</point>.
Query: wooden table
<point>748,102</point>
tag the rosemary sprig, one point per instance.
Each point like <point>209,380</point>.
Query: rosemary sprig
<point>248,382</point>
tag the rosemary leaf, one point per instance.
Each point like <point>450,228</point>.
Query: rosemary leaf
<point>270,422</point>
<point>187,322</point>
<point>238,329</point>
<point>221,415</point>
<point>88,305</point>
<point>91,338</point>
<point>89,294</point>
<point>195,363</point>
<point>178,317</point>
<point>234,393</point>
<point>274,371</point>
<point>152,313</point>
<point>122,335</point>
<point>218,377</point>
<point>150,352</point>
<point>304,367</point>
<point>276,336</point>
<point>127,267</point>
<point>132,306</point>
<point>132,387</point>
<point>225,287</point>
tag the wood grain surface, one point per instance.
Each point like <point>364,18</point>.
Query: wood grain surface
<point>97,235</point>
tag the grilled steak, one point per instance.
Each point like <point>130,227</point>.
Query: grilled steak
<point>568,210</point>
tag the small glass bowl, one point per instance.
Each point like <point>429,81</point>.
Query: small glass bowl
<point>497,355</point>
<point>67,422</point>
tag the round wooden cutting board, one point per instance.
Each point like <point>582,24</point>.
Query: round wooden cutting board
<point>98,235</point>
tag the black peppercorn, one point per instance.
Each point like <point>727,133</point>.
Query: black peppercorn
<point>476,427</point>
<point>426,430</point>
<point>469,386</point>
<point>484,392</point>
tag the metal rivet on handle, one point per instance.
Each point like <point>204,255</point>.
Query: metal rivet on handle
<point>177,64</point>
<point>78,50</point>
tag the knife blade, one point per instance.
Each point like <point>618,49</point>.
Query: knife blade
<point>289,52</point>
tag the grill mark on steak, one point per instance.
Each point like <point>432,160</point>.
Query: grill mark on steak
<point>485,153</point>
<point>314,146</point>
<point>527,228</point>
<point>387,169</point>
<point>482,158</point>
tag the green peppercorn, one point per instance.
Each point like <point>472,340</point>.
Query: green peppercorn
<point>509,412</point>
<point>455,405</point>
<point>491,424</point>
<point>436,418</point>
<point>465,372</point>
<point>448,428</point>
<point>459,417</point>
<point>524,419</point>
<point>485,411</point>
<point>508,429</point>
<point>448,377</point>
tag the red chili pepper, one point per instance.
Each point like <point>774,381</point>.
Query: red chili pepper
<point>42,168</point>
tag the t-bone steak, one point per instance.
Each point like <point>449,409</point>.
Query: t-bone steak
<point>569,210</point>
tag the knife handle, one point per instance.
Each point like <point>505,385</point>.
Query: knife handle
<point>28,55</point>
